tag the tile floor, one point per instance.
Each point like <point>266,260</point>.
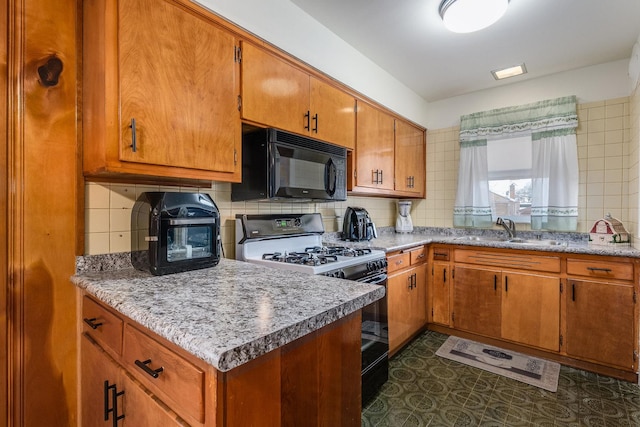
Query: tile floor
<point>427,390</point>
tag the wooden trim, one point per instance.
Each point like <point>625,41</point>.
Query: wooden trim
<point>4,294</point>
<point>41,190</point>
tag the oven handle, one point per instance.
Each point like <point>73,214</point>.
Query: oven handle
<point>191,221</point>
<point>375,280</point>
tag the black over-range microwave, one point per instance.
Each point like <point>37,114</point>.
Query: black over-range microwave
<point>278,165</point>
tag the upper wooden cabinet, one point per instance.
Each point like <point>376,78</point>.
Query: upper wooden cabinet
<point>389,159</point>
<point>277,93</point>
<point>410,160</point>
<point>160,89</point>
<point>374,158</point>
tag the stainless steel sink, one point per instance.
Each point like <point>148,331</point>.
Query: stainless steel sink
<point>479,239</point>
<point>516,240</point>
<point>539,242</point>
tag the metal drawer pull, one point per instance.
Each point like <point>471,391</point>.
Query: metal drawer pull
<point>604,270</point>
<point>155,373</point>
<point>91,323</point>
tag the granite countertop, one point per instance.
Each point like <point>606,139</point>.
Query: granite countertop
<point>577,243</point>
<point>229,314</point>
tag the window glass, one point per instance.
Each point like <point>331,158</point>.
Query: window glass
<point>509,165</point>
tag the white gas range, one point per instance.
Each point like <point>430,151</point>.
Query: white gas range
<point>294,242</point>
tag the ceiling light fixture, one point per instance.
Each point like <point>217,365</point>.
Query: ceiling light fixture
<point>466,16</point>
<point>504,73</point>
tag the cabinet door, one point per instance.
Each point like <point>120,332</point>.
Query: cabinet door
<point>374,148</point>
<point>141,410</point>
<point>419,298</point>
<point>136,407</point>
<point>178,81</point>
<point>477,300</point>
<point>600,320</point>
<point>531,309</point>
<point>399,308</point>
<point>333,114</point>
<point>410,161</point>
<point>274,93</point>
<point>439,293</point>
<point>97,373</point>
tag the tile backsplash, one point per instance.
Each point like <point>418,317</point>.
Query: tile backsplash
<point>608,140</point>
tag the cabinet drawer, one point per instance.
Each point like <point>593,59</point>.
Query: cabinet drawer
<point>179,380</point>
<point>102,325</point>
<point>398,261</point>
<point>600,269</point>
<point>441,254</point>
<point>549,264</point>
<point>418,255</point>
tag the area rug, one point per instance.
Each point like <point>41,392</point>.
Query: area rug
<point>531,370</point>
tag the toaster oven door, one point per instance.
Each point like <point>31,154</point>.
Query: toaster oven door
<point>186,239</point>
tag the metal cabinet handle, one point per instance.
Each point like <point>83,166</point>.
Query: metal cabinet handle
<point>495,282</point>
<point>604,270</point>
<point>444,273</point>
<point>315,123</point>
<point>155,373</point>
<point>91,323</point>
<point>506,284</point>
<point>111,390</point>
<point>573,292</point>
<point>306,116</point>
<point>134,145</point>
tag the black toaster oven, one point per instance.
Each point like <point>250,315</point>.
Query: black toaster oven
<point>174,232</point>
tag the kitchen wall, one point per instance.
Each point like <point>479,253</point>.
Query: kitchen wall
<point>108,213</point>
<point>608,141</point>
<point>607,168</point>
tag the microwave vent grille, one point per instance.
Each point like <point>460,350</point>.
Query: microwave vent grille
<point>299,141</point>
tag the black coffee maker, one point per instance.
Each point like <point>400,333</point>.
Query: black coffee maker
<point>357,225</point>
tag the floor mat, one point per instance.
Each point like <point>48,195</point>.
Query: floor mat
<point>527,369</point>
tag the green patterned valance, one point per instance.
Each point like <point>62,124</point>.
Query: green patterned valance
<point>545,116</point>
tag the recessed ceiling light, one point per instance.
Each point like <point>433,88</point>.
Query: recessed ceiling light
<point>504,73</point>
<point>466,16</point>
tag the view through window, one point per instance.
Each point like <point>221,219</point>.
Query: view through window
<point>509,164</point>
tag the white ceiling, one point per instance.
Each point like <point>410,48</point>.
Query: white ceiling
<point>408,40</point>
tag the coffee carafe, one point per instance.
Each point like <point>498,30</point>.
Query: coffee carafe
<point>403,221</point>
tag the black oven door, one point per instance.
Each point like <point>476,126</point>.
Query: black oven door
<point>375,345</point>
<point>299,172</point>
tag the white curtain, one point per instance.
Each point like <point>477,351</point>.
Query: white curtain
<point>551,124</point>
<point>554,203</point>
<point>472,206</point>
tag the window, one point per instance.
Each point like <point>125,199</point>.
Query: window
<point>509,167</point>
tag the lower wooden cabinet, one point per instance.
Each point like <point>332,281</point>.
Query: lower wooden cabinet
<point>600,322</point>
<point>312,381</point>
<point>477,295</point>
<point>439,291</point>
<point>578,308</point>
<point>519,307</point>
<point>531,309</point>
<point>110,397</point>
<point>406,296</point>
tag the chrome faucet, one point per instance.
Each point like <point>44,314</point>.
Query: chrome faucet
<point>508,225</point>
